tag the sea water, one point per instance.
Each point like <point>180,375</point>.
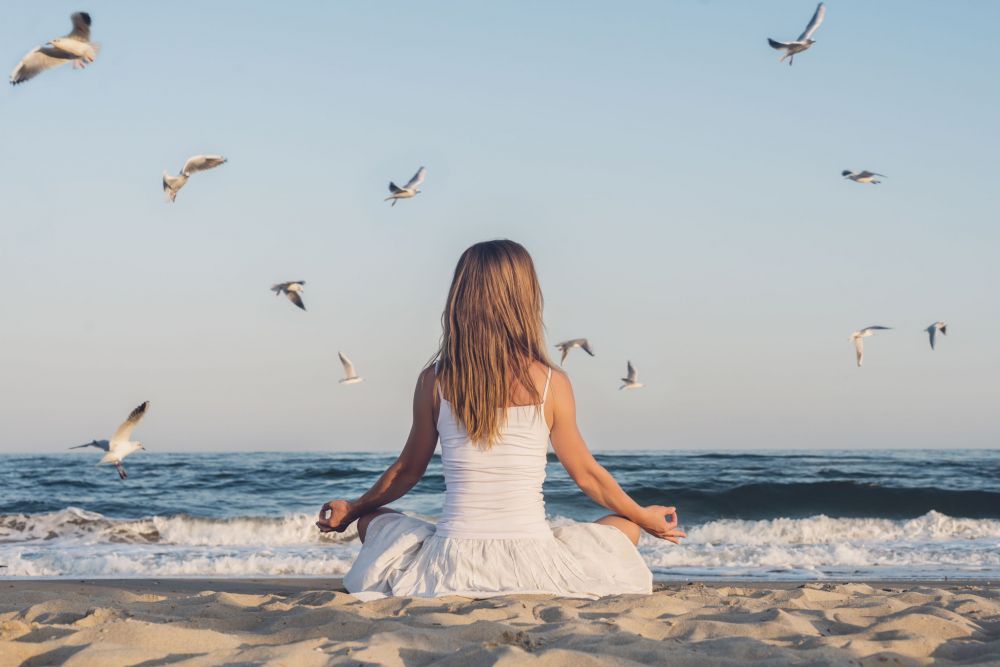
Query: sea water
<point>749,515</point>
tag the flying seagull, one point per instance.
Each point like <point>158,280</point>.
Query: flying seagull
<point>862,176</point>
<point>75,47</point>
<point>632,379</point>
<point>934,328</point>
<point>408,190</point>
<point>859,344</point>
<point>119,446</point>
<point>568,345</point>
<point>804,41</point>
<point>292,291</point>
<point>173,184</point>
<point>350,375</point>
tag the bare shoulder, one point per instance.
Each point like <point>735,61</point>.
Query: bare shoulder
<point>560,381</point>
<point>560,406</point>
<point>425,395</point>
<point>561,397</point>
<point>426,389</point>
<point>426,382</point>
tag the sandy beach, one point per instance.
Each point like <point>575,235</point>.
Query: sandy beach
<point>314,622</point>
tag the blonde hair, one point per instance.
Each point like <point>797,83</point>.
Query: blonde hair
<point>492,332</point>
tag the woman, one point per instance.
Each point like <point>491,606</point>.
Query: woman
<point>494,402</point>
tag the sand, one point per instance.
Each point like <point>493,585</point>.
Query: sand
<point>314,622</point>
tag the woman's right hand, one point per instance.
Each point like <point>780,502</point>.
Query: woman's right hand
<point>661,522</point>
<point>336,516</point>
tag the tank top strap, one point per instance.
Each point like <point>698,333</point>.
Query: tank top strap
<point>545,391</point>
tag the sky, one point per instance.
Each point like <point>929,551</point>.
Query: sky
<point>678,188</point>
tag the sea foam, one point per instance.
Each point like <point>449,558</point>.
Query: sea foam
<point>931,546</point>
<point>77,543</point>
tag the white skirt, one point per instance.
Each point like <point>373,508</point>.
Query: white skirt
<point>401,556</point>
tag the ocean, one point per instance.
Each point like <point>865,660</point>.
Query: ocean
<point>777,515</point>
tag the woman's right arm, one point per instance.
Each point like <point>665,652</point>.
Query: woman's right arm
<point>402,475</point>
<point>592,478</point>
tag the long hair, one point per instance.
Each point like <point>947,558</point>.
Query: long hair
<point>492,332</point>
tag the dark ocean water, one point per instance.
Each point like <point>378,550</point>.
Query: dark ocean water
<point>897,514</point>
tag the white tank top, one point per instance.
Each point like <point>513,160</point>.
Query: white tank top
<point>495,493</point>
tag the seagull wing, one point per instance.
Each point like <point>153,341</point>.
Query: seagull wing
<point>859,347</point>
<point>775,44</point>
<point>394,189</point>
<point>280,287</point>
<point>100,444</point>
<point>585,346</point>
<point>202,163</point>
<point>814,22</point>
<point>81,26</point>
<point>349,371</point>
<point>632,374</point>
<point>37,61</point>
<point>931,330</point>
<point>125,430</point>
<point>876,327</point>
<point>417,179</point>
<point>296,299</point>
<point>869,174</point>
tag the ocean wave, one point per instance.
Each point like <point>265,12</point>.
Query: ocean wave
<point>134,561</point>
<point>75,525</point>
<point>832,498</point>
<point>78,543</point>
<point>933,545</point>
<point>933,526</point>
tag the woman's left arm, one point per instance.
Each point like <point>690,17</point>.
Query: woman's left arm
<point>402,475</point>
<point>592,478</point>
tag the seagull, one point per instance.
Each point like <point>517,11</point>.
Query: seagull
<point>173,184</point>
<point>350,375</point>
<point>862,176</point>
<point>119,447</point>
<point>804,41</point>
<point>632,379</point>
<point>568,345</point>
<point>859,344</point>
<point>292,291</point>
<point>75,47</point>
<point>934,328</point>
<point>408,190</point>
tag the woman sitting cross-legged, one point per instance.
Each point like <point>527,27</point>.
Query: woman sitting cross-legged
<point>494,401</point>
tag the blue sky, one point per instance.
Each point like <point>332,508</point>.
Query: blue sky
<point>678,188</point>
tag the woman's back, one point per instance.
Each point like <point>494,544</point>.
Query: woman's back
<point>492,537</point>
<point>495,492</point>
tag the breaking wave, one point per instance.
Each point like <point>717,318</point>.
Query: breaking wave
<point>77,543</point>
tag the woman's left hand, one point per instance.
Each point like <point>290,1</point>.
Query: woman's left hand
<point>335,516</point>
<point>661,522</point>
